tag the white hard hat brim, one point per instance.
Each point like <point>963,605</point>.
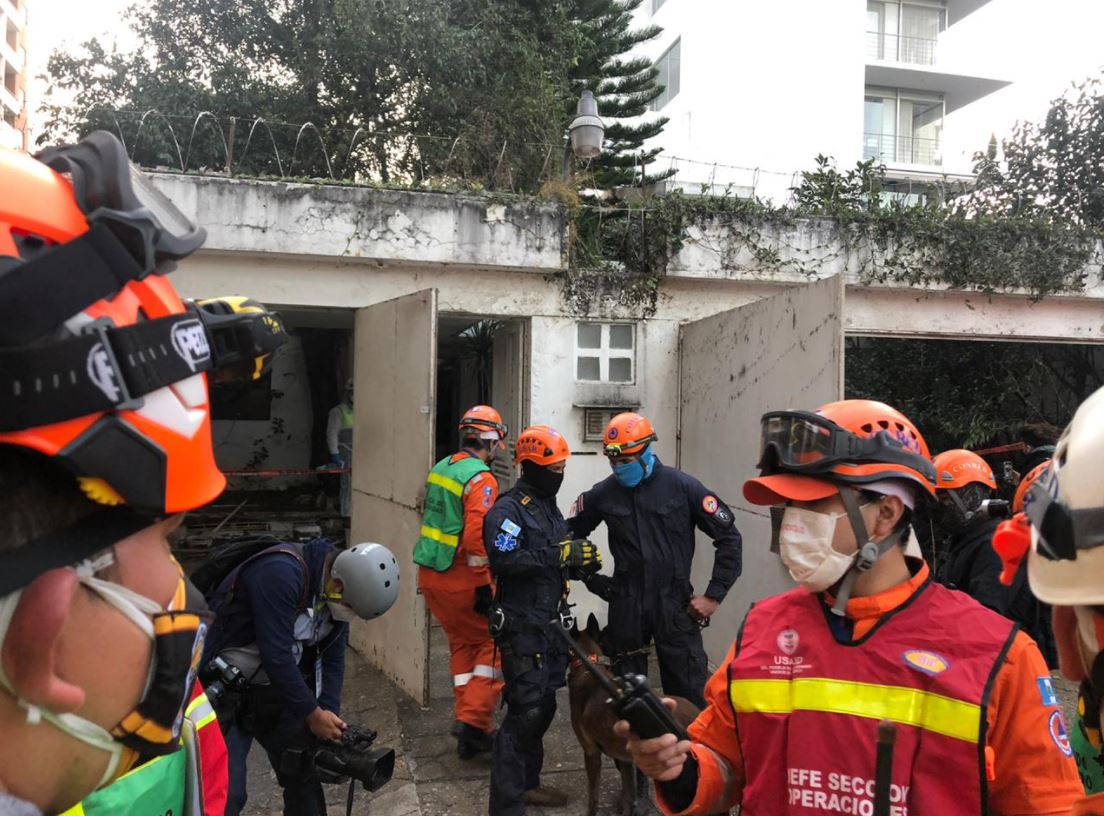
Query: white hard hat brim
<point>1068,583</point>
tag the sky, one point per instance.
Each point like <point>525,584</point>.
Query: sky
<point>1040,46</point>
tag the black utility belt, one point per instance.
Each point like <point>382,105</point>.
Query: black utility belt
<point>502,622</point>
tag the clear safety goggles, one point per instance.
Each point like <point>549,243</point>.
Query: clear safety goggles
<point>803,442</point>
<point>485,426</point>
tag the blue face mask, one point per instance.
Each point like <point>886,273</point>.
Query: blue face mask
<point>630,474</point>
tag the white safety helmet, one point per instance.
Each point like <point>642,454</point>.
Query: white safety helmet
<point>369,578</point>
<point>1066,509</point>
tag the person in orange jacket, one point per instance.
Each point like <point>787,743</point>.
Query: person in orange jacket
<point>454,575</point>
<point>793,713</point>
<point>1063,539</point>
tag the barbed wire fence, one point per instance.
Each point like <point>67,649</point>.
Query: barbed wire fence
<point>230,146</point>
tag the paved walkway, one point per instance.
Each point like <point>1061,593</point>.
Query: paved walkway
<point>430,780</point>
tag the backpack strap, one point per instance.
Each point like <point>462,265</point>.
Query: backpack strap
<point>294,551</point>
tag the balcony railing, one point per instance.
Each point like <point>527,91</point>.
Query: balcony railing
<point>900,48</point>
<point>887,147</point>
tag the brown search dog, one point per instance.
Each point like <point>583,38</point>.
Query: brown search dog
<point>593,722</point>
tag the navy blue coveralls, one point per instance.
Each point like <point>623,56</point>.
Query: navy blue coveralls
<point>521,533</point>
<point>651,536</point>
<point>266,609</point>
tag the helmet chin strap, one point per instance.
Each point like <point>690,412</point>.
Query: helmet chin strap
<point>867,554</point>
<point>966,512</point>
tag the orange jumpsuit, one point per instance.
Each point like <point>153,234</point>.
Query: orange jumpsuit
<point>1029,773</point>
<point>473,662</point>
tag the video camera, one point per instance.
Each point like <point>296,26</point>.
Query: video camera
<point>350,757</point>
<point>223,682</point>
<point>996,509</point>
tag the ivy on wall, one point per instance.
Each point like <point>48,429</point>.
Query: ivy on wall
<point>620,253</point>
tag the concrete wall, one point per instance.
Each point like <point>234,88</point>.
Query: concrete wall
<point>286,250</point>
<point>354,222</point>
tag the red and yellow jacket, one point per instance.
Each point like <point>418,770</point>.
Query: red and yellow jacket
<point>1024,759</point>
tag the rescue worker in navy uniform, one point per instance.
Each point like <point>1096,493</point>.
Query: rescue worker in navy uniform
<point>651,511</point>
<point>531,554</point>
<point>283,621</point>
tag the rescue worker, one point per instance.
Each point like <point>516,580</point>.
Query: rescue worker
<point>339,442</point>
<point>531,554</point>
<point>963,484</point>
<point>794,709</point>
<point>1061,533</point>
<point>103,446</point>
<point>454,575</point>
<point>283,621</point>
<point>650,511</point>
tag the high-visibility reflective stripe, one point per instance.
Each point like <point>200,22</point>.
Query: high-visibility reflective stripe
<point>440,536</point>
<point>200,711</point>
<point>461,679</point>
<point>451,485</point>
<point>487,671</point>
<point>923,709</point>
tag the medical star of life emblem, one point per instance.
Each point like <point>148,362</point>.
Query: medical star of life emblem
<point>787,641</point>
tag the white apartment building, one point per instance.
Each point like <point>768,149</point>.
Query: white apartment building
<point>771,85</point>
<point>13,70</point>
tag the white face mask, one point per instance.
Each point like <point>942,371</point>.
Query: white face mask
<point>341,612</point>
<point>805,544</point>
<point>138,609</point>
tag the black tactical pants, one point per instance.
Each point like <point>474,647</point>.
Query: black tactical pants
<point>639,616</point>
<point>533,669</point>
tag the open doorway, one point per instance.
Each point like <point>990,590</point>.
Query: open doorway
<point>481,360</point>
<point>270,440</point>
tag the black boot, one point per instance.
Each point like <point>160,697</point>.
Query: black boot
<point>471,742</point>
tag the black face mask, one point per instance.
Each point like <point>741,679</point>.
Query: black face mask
<point>544,482</point>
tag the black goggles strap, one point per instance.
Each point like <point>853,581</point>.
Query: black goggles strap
<point>1061,531</point>
<point>38,296</point>
<point>98,532</point>
<point>108,368</point>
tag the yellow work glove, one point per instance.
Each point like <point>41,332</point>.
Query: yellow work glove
<point>580,558</point>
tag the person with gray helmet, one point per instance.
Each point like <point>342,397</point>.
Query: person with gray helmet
<point>282,621</point>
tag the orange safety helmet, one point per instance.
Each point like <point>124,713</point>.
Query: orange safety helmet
<point>959,467</point>
<point>483,419</point>
<point>896,451</point>
<point>104,365</point>
<point>628,433</point>
<point>1025,485</point>
<point>541,444</point>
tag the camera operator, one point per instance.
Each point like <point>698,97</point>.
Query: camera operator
<point>282,623</point>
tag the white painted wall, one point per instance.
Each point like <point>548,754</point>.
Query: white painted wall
<point>769,85</point>
<point>290,446</point>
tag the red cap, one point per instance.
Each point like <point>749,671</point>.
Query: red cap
<point>783,487</point>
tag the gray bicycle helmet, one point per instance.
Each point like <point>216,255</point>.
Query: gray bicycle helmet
<point>369,578</point>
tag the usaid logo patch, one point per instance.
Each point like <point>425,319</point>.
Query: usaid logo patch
<point>788,641</point>
<point>927,662</point>
<point>102,373</point>
<point>189,340</point>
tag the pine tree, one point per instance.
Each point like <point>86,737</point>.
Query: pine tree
<point>624,87</point>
